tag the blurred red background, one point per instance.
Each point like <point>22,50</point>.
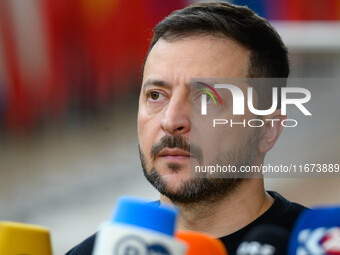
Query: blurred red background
<point>63,57</point>
<point>60,54</point>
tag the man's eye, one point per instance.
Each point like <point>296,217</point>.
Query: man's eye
<point>155,96</point>
<point>208,98</point>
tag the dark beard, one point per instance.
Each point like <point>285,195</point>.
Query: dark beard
<point>207,189</point>
<point>196,189</point>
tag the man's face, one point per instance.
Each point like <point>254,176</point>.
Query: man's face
<point>164,123</point>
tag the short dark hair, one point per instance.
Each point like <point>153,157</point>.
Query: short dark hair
<point>269,56</point>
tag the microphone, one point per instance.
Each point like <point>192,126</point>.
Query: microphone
<point>316,232</point>
<point>138,227</point>
<point>24,239</point>
<point>201,244</point>
<point>265,240</point>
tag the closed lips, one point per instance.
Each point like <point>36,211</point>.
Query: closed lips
<point>173,152</point>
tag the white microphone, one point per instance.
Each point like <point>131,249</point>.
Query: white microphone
<point>139,228</point>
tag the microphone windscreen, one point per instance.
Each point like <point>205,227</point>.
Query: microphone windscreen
<point>201,244</point>
<point>265,240</point>
<point>19,238</point>
<point>139,212</point>
<point>316,231</point>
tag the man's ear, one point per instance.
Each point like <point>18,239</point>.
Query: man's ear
<point>271,131</point>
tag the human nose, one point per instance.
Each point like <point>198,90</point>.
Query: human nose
<point>176,119</point>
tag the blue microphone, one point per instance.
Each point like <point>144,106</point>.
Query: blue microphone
<point>139,227</point>
<point>316,232</point>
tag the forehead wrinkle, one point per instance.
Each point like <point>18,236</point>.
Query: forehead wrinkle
<point>157,82</point>
<point>226,57</point>
<point>160,83</point>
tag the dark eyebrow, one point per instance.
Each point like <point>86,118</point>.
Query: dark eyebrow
<point>159,83</point>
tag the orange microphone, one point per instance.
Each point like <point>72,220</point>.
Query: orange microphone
<point>201,244</point>
<point>24,239</point>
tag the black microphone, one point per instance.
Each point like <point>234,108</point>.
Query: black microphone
<point>265,240</point>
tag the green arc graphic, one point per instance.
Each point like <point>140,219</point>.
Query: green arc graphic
<point>206,91</point>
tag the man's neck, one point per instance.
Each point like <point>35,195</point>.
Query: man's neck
<point>248,202</point>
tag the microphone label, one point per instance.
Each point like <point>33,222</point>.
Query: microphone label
<point>255,248</point>
<point>135,245</point>
<point>319,241</point>
<point>120,239</point>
